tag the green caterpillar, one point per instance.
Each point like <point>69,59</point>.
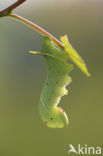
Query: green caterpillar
<point>56,82</point>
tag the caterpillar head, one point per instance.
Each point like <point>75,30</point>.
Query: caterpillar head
<point>56,119</point>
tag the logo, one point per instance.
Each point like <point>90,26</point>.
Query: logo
<point>84,149</point>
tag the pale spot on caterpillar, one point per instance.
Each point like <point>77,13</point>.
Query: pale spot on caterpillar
<point>65,91</point>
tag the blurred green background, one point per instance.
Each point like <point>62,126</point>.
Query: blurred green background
<point>22,77</point>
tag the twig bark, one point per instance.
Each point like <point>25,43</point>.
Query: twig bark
<point>9,9</point>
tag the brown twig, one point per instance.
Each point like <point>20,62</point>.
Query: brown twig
<point>9,9</point>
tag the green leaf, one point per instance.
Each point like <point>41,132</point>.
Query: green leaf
<point>73,55</point>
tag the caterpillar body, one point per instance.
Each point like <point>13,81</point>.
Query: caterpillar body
<point>57,79</point>
<point>55,85</point>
